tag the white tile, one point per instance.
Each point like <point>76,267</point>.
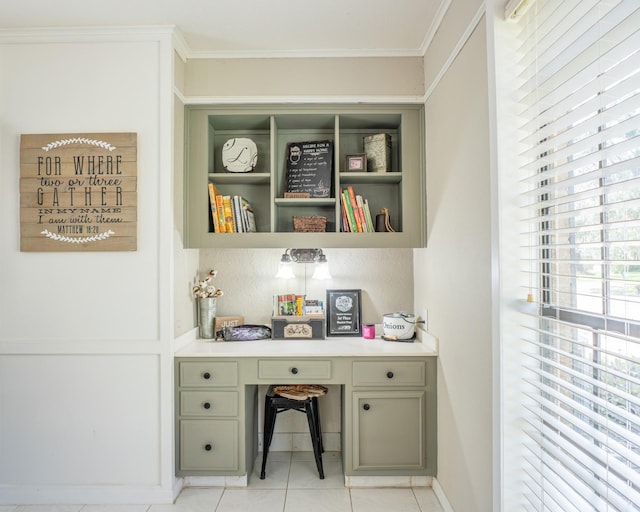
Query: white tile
<point>48,508</point>
<point>276,475</point>
<point>275,455</point>
<point>176,507</point>
<point>242,500</point>
<point>115,508</point>
<point>318,500</point>
<point>304,475</point>
<point>427,500</point>
<point>327,456</point>
<point>200,499</point>
<point>383,500</point>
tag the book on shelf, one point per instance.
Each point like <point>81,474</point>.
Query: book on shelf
<point>356,216</point>
<point>231,214</point>
<point>213,192</point>
<point>248,216</point>
<point>221,218</point>
<point>237,215</point>
<point>228,214</point>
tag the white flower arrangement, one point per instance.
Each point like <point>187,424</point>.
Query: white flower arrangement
<point>205,288</point>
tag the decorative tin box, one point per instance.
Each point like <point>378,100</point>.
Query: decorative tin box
<point>378,150</point>
<point>298,327</point>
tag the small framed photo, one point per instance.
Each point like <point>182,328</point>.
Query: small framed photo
<point>344,313</point>
<point>357,163</point>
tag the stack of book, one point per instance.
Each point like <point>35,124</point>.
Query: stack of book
<point>230,214</point>
<point>291,304</point>
<point>356,217</point>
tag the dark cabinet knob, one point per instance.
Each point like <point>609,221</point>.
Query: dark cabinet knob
<point>206,375</point>
<point>208,447</point>
<point>366,407</point>
<point>206,405</point>
<point>294,370</point>
<point>389,375</point>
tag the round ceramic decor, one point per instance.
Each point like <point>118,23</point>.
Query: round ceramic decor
<point>239,155</point>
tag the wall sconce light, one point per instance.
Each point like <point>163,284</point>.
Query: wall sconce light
<point>316,256</point>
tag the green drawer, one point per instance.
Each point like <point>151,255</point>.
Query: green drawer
<point>208,445</point>
<point>389,373</point>
<point>294,370</point>
<point>208,374</point>
<point>208,403</point>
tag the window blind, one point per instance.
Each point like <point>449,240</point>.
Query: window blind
<point>579,97</point>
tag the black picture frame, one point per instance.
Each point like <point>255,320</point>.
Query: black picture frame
<point>356,163</point>
<point>344,312</point>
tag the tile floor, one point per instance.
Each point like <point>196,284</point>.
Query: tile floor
<point>291,485</point>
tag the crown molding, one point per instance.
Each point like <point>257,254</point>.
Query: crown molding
<point>237,100</point>
<point>437,21</point>
<point>85,34</point>
<point>456,50</point>
<point>306,54</point>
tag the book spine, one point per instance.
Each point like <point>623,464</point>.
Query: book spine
<point>237,215</point>
<point>354,206</point>
<point>214,210</point>
<point>350,216</point>
<point>363,217</point>
<point>220,209</point>
<point>228,214</point>
<point>368,215</point>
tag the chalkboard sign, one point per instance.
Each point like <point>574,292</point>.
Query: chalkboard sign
<point>309,167</point>
<point>344,313</point>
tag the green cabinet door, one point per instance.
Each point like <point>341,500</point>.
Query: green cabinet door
<point>389,430</point>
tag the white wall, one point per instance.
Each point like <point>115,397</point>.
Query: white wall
<point>85,338</point>
<point>454,274</point>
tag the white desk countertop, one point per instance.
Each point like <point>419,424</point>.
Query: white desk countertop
<point>329,347</point>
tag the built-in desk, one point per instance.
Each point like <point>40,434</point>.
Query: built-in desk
<point>388,401</point>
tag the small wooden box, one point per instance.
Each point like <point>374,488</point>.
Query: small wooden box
<point>297,327</point>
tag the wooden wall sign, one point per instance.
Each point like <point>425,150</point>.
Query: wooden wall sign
<point>78,192</point>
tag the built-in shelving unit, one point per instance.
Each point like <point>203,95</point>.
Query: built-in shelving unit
<point>401,190</point>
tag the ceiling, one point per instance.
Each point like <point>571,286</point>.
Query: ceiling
<point>236,28</point>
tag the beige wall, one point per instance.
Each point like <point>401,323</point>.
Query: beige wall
<point>454,24</point>
<point>307,77</point>
<point>453,274</point>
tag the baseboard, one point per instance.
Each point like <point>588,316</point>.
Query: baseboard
<point>387,481</point>
<point>442,497</point>
<point>216,481</point>
<point>80,495</point>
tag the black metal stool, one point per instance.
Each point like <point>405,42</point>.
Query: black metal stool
<point>297,400</point>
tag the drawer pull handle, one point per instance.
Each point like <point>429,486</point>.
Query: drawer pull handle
<point>294,370</point>
<point>389,375</point>
<point>208,447</point>
<point>366,407</point>
<point>206,405</point>
<point>206,375</point>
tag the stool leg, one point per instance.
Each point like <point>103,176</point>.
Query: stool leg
<point>318,427</point>
<point>270,413</point>
<point>313,422</point>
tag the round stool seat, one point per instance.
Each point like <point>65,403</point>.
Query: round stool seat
<point>300,391</point>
